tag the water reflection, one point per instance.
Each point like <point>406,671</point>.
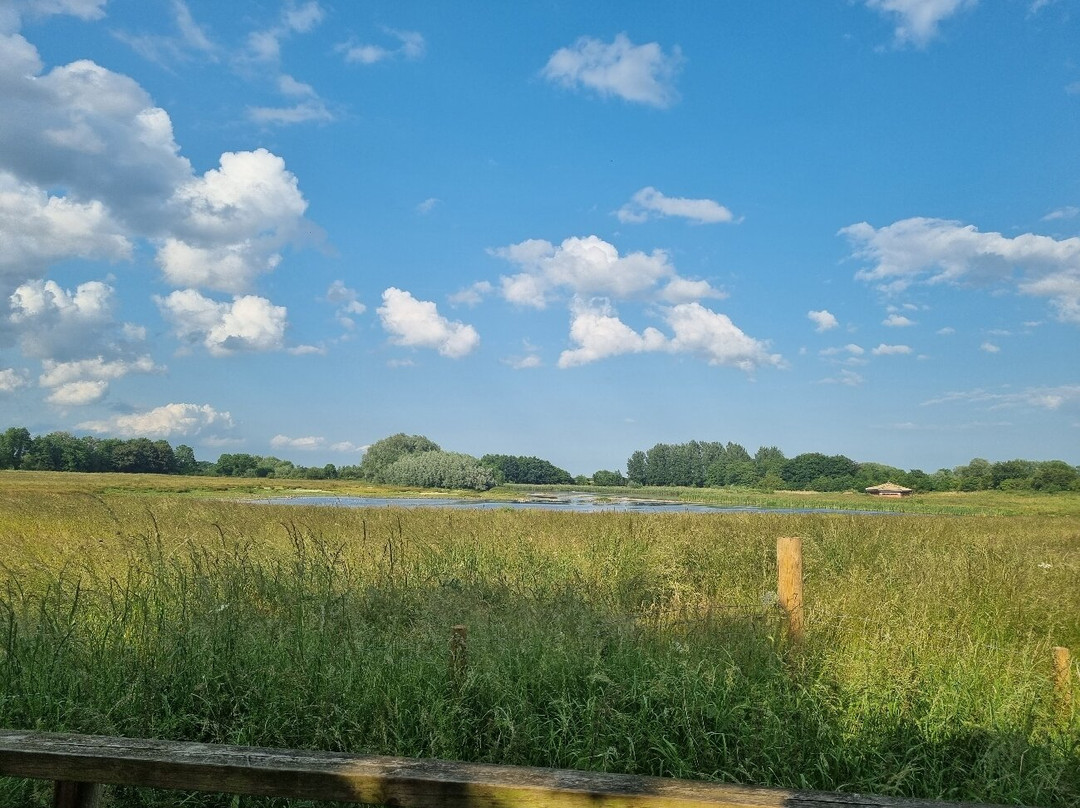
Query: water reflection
<point>573,503</point>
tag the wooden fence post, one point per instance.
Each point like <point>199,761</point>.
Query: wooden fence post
<point>789,584</point>
<point>69,794</point>
<point>1062,679</point>
<point>459,652</point>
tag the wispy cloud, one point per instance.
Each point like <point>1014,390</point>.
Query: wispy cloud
<point>1045,398</point>
<point>410,46</point>
<point>917,21</point>
<point>643,74</point>
<point>649,203</point>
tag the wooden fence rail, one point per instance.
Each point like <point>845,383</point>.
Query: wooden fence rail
<point>78,763</point>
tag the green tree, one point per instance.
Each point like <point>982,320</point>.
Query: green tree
<point>527,470</point>
<point>14,444</point>
<point>383,453</point>
<point>185,460</point>
<point>635,468</point>
<point>439,469</point>
<point>1056,475</point>
<point>604,477</point>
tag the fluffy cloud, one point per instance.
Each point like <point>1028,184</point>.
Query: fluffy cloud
<point>11,380</point>
<point>248,323</point>
<point>823,320</point>
<point>37,229</point>
<point>307,444</point>
<point>897,321</point>
<point>640,73</point>
<point>917,20</point>
<point>60,324</point>
<point>990,348</point>
<point>599,334</point>
<point>592,267</point>
<point>98,135</point>
<point>170,420</point>
<point>715,338</point>
<point>934,251</point>
<point>94,132</point>
<point>417,324</point>
<point>235,219</point>
<point>649,202</point>
<point>86,381</point>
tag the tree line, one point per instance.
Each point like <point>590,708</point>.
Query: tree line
<point>713,464</point>
<point>415,460</point>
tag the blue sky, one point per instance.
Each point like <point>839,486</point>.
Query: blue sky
<point>569,230</point>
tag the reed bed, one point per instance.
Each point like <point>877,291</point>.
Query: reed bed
<point>643,643</point>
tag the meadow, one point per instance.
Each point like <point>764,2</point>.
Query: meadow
<point>646,643</point>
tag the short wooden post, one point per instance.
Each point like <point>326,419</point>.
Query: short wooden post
<point>69,794</point>
<point>459,652</point>
<point>789,584</point>
<point>1062,679</point>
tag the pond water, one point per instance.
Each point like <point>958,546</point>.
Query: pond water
<point>573,503</point>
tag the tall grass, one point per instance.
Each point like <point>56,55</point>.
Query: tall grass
<point>636,643</point>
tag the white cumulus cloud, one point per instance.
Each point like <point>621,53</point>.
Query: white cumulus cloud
<point>417,324</point>
<point>643,74</point>
<point>599,333</point>
<point>37,228</point>
<point>897,321</point>
<point>590,267</point>
<point>53,322</point>
<point>170,420</point>
<point>12,379</point>
<point>936,251</point>
<point>715,338</point>
<point>823,320</point>
<point>649,202</point>
<point>235,219</point>
<point>248,323</point>
<point>85,381</point>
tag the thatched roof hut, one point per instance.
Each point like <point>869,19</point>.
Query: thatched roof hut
<point>889,490</point>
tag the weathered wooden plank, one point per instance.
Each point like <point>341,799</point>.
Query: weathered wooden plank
<point>399,782</point>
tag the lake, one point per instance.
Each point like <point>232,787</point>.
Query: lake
<point>572,503</point>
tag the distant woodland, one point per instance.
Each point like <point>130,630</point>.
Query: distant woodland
<point>414,460</point>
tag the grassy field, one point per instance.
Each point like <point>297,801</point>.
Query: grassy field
<point>166,607</point>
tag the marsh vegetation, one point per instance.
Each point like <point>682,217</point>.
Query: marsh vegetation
<point>645,643</point>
